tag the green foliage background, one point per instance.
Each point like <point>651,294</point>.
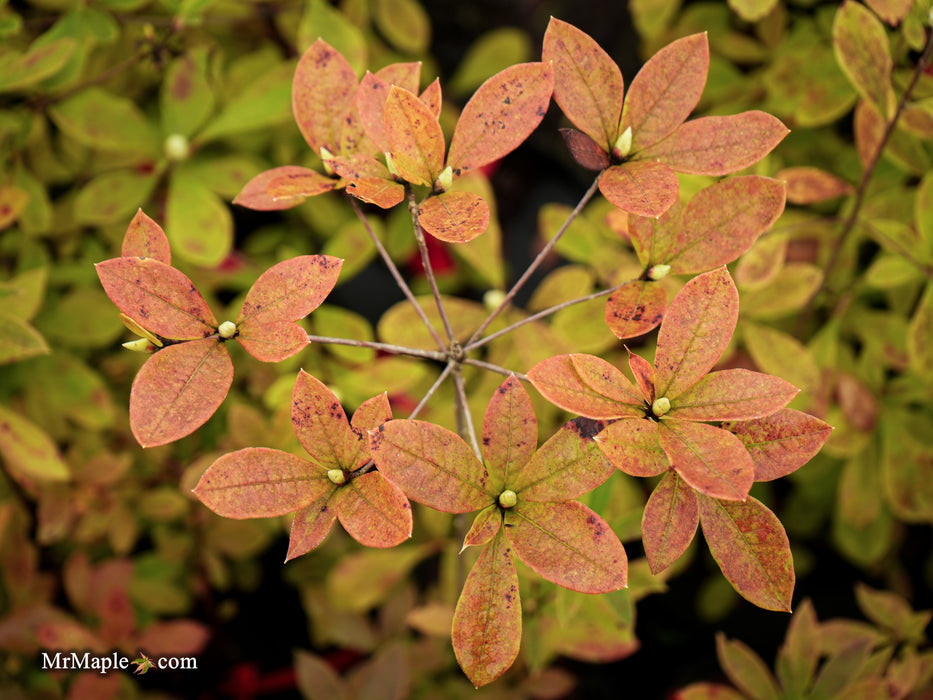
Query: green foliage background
<point>107,106</point>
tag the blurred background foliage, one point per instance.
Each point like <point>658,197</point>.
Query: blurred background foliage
<point>108,106</point>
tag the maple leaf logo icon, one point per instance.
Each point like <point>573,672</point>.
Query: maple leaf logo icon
<point>143,664</point>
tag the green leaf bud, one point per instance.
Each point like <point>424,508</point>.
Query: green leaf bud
<point>661,406</point>
<point>508,498</point>
<point>337,476</point>
<point>227,329</point>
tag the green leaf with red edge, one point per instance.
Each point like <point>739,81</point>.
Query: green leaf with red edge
<point>178,389</point>
<point>322,426</point>
<point>643,373</point>
<point>781,443</point>
<point>587,385</point>
<point>711,460</point>
<point>485,526</point>
<point>487,626</point>
<point>323,92</point>
<point>718,145</point>
<point>259,482</point>
<point>722,221</point>
<point>634,447</point>
<point>144,238</point>
<point>809,185</point>
<point>864,55</point>
<point>568,544</point>
<point>733,394</point>
<point>501,114</point>
<point>311,524</point>
<point>255,194</point>
<point>373,511</point>
<point>158,297</point>
<point>799,656</point>
<point>510,433</point>
<point>382,192</point>
<point>635,308</point>
<point>745,669</point>
<point>585,150</point>
<point>273,342</point>
<point>432,465</point>
<point>416,142</point>
<point>373,92</point>
<point>588,84</point>
<point>669,522</point>
<point>644,188</point>
<point>750,546</point>
<point>568,465</point>
<point>296,186</point>
<point>665,90</point>
<point>454,217</point>
<point>697,328</point>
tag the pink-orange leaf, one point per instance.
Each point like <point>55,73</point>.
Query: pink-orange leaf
<point>724,220</point>
<point>510,433</point>
<point>711,460</point>
<point>669,522</point>
<point>568,544</point>
<point>750,546</point>
<point>782,442</point>
<point>588,84</point>
<point>178,389</point>
<point>718,145</point>
<point>585,150</point>
<point>432,97</point>
<point>501,115</point>
<point>567,466</point>
<point>654,239</point>
<point>587,385</point>
<point>487,626</point>
<point>809,185</point>
<point>296,186</point>
<point>635,308</point>
<point>696,330</point>
<point>372,94</point>
<point>643,373</point>
<point>255,194</point>
<point>311,524</point>
<point>272,342</point>
<point>645,188</point>
<point>455,217</point>
<point>368,416</point>
<point>416,142</point>
<point>322,427</point>
<point>634,447</point>
<point>322,93</point>
<point>733,394</point>
<point>145,239</point>
<point>382,192</point>
<point>373,511</point>
<point>158,297</point>
<point>666,90</point>
<point>432,465</point>
<point>258,482</point>
<point>485,526</point>
<point>289,290</point>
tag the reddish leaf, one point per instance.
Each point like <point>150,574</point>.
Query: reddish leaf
<point>733,394</point>
<point>171,637</point>
<point>157,297</point>
<point>258,482</point>
<point>273,342</point>
<point>666,90</point>
<point>178,389</point>
<point>864,55</point>
<point>634,447</point>
<point>357,165</point>
<point>669,522</point>
<point>373,511</point>
<point>322,427</point>
<point>586,385</point>
<point>311,524</point>
<point>708,691</point>
<point>869,127</point>
<point>718,145</point>
<point>782,442</point>
<point>711,460</point>
<point>485,526</point>
<point>645,188</point>
<point>145,239</point>
<point>585,150</point>
<point>455,217</point>
<point>322,93</point>
<point>696,330</point>
<point>808,185</point>
<point>255,194</point>
<point>750,546</point>
<point>588,84</point>
<point>432,465</point>
<point>746,669</point>
<point>891,11</point>
<point>724,220</point>
<point>501,114</point>
<point>296,186</point>
<point>510,433</point>
<point>644,375</point>
<point>487,627</point>
<point>635,308</point>
<point>288,291</point>
<point>654,239</point>
<point>368,416</point>
<point>568,544</point>
<point>567,466</point>
<point>372,94</point>
<point>376,190</point>
<point>431,96</point>
<point>416,141</point>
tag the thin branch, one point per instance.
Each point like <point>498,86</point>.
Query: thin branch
<point>426,261</point>
<point>434,387</point>
<point>385,347</point>
<point>494,368</point>
<point>464,419</point>
<point>536,263</point>
<point>396,275</point>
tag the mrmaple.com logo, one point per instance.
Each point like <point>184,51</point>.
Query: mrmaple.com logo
<point>103,664</point>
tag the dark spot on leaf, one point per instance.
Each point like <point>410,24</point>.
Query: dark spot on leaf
<point>485,442</point>
<point>586,428</point>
